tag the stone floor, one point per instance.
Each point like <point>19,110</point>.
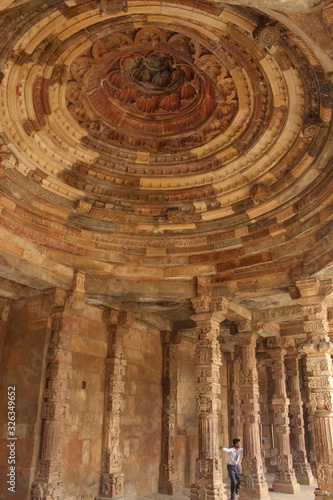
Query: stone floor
<point>306,493</point>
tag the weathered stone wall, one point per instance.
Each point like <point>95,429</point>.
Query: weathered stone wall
<point>23,367</point>
<point>141,421</point>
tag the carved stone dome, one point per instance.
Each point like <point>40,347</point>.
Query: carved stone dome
<point>190,140</point>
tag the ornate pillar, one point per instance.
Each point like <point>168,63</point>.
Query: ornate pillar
<point>112,477</point>
<point>253,481</point>
<point>297,440</point>
<point>169,482</point>
<point>285,479</point>
<point>208,471</point>
<point>234,399</point>
<point>314,297</point>
<point>309,419</point>
<point>49,484</point>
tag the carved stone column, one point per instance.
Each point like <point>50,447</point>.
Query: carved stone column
<point>208,471</point>
<point>309,420</point>
<point>49,484</point>
<point>314,297</point>
<point>234,399</point>
<point>297,440</point>
<point>285,479</point>
<point>112,477</point>
<point>253,481</point>
<point>169,482</point>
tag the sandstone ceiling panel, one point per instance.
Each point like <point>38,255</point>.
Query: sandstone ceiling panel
<point>156,142</point>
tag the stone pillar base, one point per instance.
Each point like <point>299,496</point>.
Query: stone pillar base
<point>285,486</point>
<point>111,486</point>
<point>323,495</point>
<point>304,475</point>
<point>109,498</point>
<point>170,487</point>
<point>48,491</point>
<point>253,493</point>
<point>208,492</point>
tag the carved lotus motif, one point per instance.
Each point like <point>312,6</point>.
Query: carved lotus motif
<point>73,92</point>
<point>80,67</point>
<point>128,89</point>
<point>126,95</point>
<point>187,91</point>
<point>147,104</point>
<point>171,102</point>
<point>162,79</point>
<point>188,72</point>
<point>142,75</point>
<point>156,72</point>
<point>116,79</point>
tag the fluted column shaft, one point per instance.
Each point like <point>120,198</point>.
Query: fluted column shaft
<point>285,479</point>
<point>168,481</point>
<point>253,482</point>
<point>208,472</point>
<point>297,440</point>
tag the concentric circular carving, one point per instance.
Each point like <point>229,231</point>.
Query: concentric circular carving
<point>180,132</point>
<point>151,94</point>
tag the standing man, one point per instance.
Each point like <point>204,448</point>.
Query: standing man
<point>233,467</point>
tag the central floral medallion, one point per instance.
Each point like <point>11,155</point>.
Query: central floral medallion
<point>156,73</point>
<point>153,91</point>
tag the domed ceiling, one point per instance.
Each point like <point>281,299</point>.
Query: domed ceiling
<point>151,143</point>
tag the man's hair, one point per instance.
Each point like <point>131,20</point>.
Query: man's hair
<point>235,441</point>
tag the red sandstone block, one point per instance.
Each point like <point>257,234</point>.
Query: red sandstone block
<point>73,452</point>
<point>95,451</point>
<point>245,262</point>
<point>84,361</point>
<point>224,255</point>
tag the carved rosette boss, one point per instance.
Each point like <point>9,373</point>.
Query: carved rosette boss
<point>253,482</point>
<point>208,471</point>
<point>315,297</point>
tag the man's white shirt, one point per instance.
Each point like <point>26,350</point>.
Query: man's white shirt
<point>233,455</point>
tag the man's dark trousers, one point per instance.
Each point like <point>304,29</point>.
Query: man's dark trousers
<point>234,474</point>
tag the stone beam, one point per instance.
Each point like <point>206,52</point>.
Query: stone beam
<point>278,314</point>
<point>155,321</point>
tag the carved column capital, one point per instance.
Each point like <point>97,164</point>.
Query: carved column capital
<point>205,303</point>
